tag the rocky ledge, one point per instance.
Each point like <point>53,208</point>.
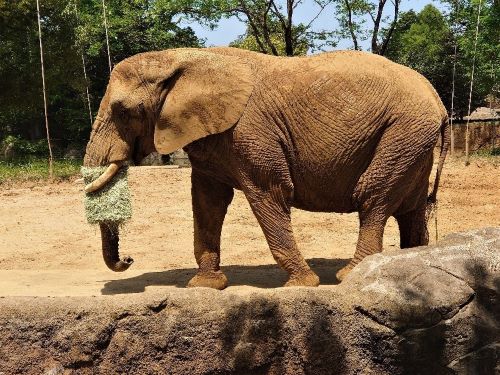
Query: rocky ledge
<point>429,310</point>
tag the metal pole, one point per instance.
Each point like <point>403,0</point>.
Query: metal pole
<point>51,169</point>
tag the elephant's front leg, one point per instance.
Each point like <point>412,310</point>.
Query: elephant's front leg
<point>210,201</point>
<point>272,211</point>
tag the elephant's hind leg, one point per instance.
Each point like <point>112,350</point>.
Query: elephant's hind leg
<point>413,228</point>
<point>400,166</point>
<point>273,214</point>
<point>210,201</point>
<point>411,215</point>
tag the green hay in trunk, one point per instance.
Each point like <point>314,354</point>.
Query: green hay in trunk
<point>111,204</point>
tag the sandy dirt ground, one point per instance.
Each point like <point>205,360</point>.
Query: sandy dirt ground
<point>48,249</point>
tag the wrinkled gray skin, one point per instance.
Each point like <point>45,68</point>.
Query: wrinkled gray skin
<point>337,132</point>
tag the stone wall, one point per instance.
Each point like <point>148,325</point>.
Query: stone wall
<point>483,135</point>
<point>430,310</point>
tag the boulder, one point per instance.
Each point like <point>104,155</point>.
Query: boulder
<point>180,157</point>
<point>74,152</point>
<point>428,310</point>
<point>153,159</point>
<point>9,151</point>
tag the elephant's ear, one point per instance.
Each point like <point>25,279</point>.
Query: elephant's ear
<point>207,96</point>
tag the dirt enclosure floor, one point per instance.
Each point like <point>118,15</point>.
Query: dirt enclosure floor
<point>48,249</point>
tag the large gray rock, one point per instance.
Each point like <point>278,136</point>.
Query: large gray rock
<point>153,159</point>
<point>432,310</point>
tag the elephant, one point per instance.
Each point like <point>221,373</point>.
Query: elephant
<point>342,131</point>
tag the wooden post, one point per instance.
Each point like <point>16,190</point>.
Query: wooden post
<point>452,139</point>
<point>467,156</point>
<point>452,136</point>
<point>87,89</point>
<point>51,162</point>
<point>85,75</point>
<point>107,37</point>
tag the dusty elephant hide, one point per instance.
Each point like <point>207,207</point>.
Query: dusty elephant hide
<point>336,132</point>
<point>111,204</point>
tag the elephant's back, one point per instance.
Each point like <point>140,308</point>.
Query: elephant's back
<point>355,72</point>
<point>329,112</point>
<point>336,107</point>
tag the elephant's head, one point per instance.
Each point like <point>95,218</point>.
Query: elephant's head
<point>162,101</point>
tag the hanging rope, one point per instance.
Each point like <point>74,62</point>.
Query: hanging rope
<point>467,160</point>
<point>51,167</point>
<point>107,37</point>
<point>85,74</point>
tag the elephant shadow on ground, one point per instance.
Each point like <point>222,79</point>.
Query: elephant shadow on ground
<point>261,276</point>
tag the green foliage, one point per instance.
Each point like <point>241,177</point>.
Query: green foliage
<point>362,20</point>
<point>134,26</point>
<point>24,147</point>
<point>463,18</point>
<point>426,42</point>
<point>34,169</point>
<point>358,24</point>
<point>488,152</point>
<point>270,27</point>
<point>249,41</point>
<point>21,102</point>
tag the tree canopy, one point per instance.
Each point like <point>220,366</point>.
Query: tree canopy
<point>68,30</point>
<point>425,41</point>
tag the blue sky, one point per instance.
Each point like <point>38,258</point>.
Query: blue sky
<point>229,29</point>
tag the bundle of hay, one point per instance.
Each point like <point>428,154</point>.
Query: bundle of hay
<point>110,204</point>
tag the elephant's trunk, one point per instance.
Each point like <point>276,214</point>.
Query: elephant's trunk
<point>110,238</point>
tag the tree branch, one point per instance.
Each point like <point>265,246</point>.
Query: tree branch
<point>286,25</point>
<point>278,14</point>
<point>288,31</point>
<point>376,26</point>
<point>297,4</point>
<point>265,31</point>
<point>351,25</point>
<point>322,7</point>
<point>388,36</point>
<point>254,27</point>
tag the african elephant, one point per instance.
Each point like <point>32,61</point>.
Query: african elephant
<point>343,131</point>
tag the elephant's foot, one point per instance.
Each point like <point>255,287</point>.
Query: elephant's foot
<point>342,273</point>
<point>305,279</point>
<point>212,279</point>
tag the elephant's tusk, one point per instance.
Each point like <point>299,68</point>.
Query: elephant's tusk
<point>104,178</point>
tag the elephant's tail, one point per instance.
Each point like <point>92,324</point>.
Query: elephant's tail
<point>445,143</point>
